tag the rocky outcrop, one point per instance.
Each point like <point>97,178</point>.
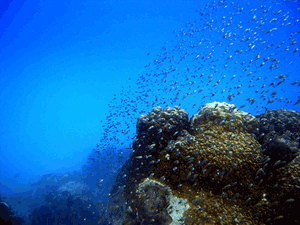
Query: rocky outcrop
<point>279,134</point>
<point>216,165</point>
<point>7,215</point>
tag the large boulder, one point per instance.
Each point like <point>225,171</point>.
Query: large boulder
<point>214,163</point>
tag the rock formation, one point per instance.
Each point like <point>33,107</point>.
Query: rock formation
<point>218,167</point>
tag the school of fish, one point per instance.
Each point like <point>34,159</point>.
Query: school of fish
<point>244,53</point>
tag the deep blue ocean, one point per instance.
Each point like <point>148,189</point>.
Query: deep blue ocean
<point>75,76</point>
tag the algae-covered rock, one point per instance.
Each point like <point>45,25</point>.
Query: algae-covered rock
<point>215,164</point>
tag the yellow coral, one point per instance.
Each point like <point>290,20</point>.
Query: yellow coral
<point>215,163</point>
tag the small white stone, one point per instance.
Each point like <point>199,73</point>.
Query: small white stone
<point>167,156</point>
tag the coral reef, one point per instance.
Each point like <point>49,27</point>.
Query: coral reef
<point>64,208</point>
<point>154,205</point>
<point>218,162</point>
<point>75,189</point>
<point>279,134</point>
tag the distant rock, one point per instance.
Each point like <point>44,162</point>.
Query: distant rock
<point>76,190</point>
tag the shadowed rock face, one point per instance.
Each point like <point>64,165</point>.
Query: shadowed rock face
<point>5,211</point>
<point>74,188</point>
<point>279,134</point>
<point>159,127</point>
<point>7,215</point>
<point>218,164</point>
<point>152,203</point>
<point>65,208</point>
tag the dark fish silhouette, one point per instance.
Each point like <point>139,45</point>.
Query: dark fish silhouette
<point>17,175</point>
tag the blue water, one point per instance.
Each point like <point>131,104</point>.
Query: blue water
<point>75,76</point>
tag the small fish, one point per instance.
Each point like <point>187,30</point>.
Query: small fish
<point>298,101</point>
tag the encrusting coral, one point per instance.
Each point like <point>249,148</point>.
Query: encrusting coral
<point>214,162</point>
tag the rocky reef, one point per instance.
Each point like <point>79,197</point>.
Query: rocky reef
<point>221,166</point>
<point>70,204</point>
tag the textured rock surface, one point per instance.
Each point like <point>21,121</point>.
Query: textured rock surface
<point>223,113</point>
<point>279,134</point>
<point>7,215</point>
<point>76,190</point>
<point>151,203</point>
<point>218,163</point>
